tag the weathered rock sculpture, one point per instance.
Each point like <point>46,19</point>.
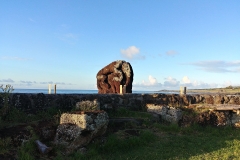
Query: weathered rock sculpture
<point>113,75</point>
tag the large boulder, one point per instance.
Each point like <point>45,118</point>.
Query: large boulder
<point>113,75</point>
<point>77,129</point>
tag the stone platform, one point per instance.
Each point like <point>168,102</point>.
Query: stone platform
<point>35,102</point>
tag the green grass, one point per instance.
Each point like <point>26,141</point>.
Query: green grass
<point>123,112</point>
<point>216,90</point>
<point>164,142</point>
<point>154,141</point>
<point>28,149</point>
<point>115,146</point>
<point>16,116</point>
<point>5,145</point>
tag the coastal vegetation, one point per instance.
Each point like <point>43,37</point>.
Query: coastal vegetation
<point>226,90</point>
<point>4,110</point>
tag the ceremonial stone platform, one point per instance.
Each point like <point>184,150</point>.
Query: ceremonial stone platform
<point>34,102</point>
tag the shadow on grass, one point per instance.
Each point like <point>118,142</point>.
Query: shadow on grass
<point>170,142</point>
<point>199,143</point>
<point>164,141</point>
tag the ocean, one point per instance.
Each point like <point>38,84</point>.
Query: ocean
<point>66,91</point>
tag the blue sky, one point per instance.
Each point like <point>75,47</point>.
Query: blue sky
<point>169,43</point>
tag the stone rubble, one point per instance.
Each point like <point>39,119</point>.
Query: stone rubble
<point>169,114</point>
<point>79,128</point>
<point>88,105</point>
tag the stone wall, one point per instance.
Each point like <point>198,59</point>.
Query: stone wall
<point>35,102</point>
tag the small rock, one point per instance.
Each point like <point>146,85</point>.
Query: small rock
<point>83,150</point>
<point>43,149</point>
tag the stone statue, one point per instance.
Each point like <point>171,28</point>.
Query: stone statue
<point>113,75</point>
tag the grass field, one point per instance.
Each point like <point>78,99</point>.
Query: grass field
<point>216,90</point>
<point>169,142</point>
<point>227,90</point>
<point>150,140</point>
<point>165,141</point>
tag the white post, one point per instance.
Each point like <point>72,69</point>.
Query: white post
<point>120,89</point>
<point>49,88</point>
<point>181,90</point>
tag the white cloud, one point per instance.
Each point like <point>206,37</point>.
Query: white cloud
<point>196,84</point>
<point>30,19</point>
<point>14,58</point>
<point>9,80</point>
<point>71,36</point>
<point>227,83</point>
<point>57,83</point>
<point>132,52</point>
<point>152,83</point>
<point>65,34</point>
<point>64,26</point>
<point>200,84</point>
<point>218,66</point>
<point>152,80</point>
<point>185,79</point>
<point>50,82</point>
<point>174,84</point>
<point>237,70</point>
<point>63,83</point>
<point>171,82</point>
<point>29,83</point>
<point>171,53</point>
<point>34,84</point>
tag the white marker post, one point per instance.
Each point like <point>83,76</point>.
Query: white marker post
<point>49,88</point>
<point>120,89</point>
<point>181,90</point>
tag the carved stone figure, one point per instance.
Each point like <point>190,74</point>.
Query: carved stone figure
<point>113,75</point>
